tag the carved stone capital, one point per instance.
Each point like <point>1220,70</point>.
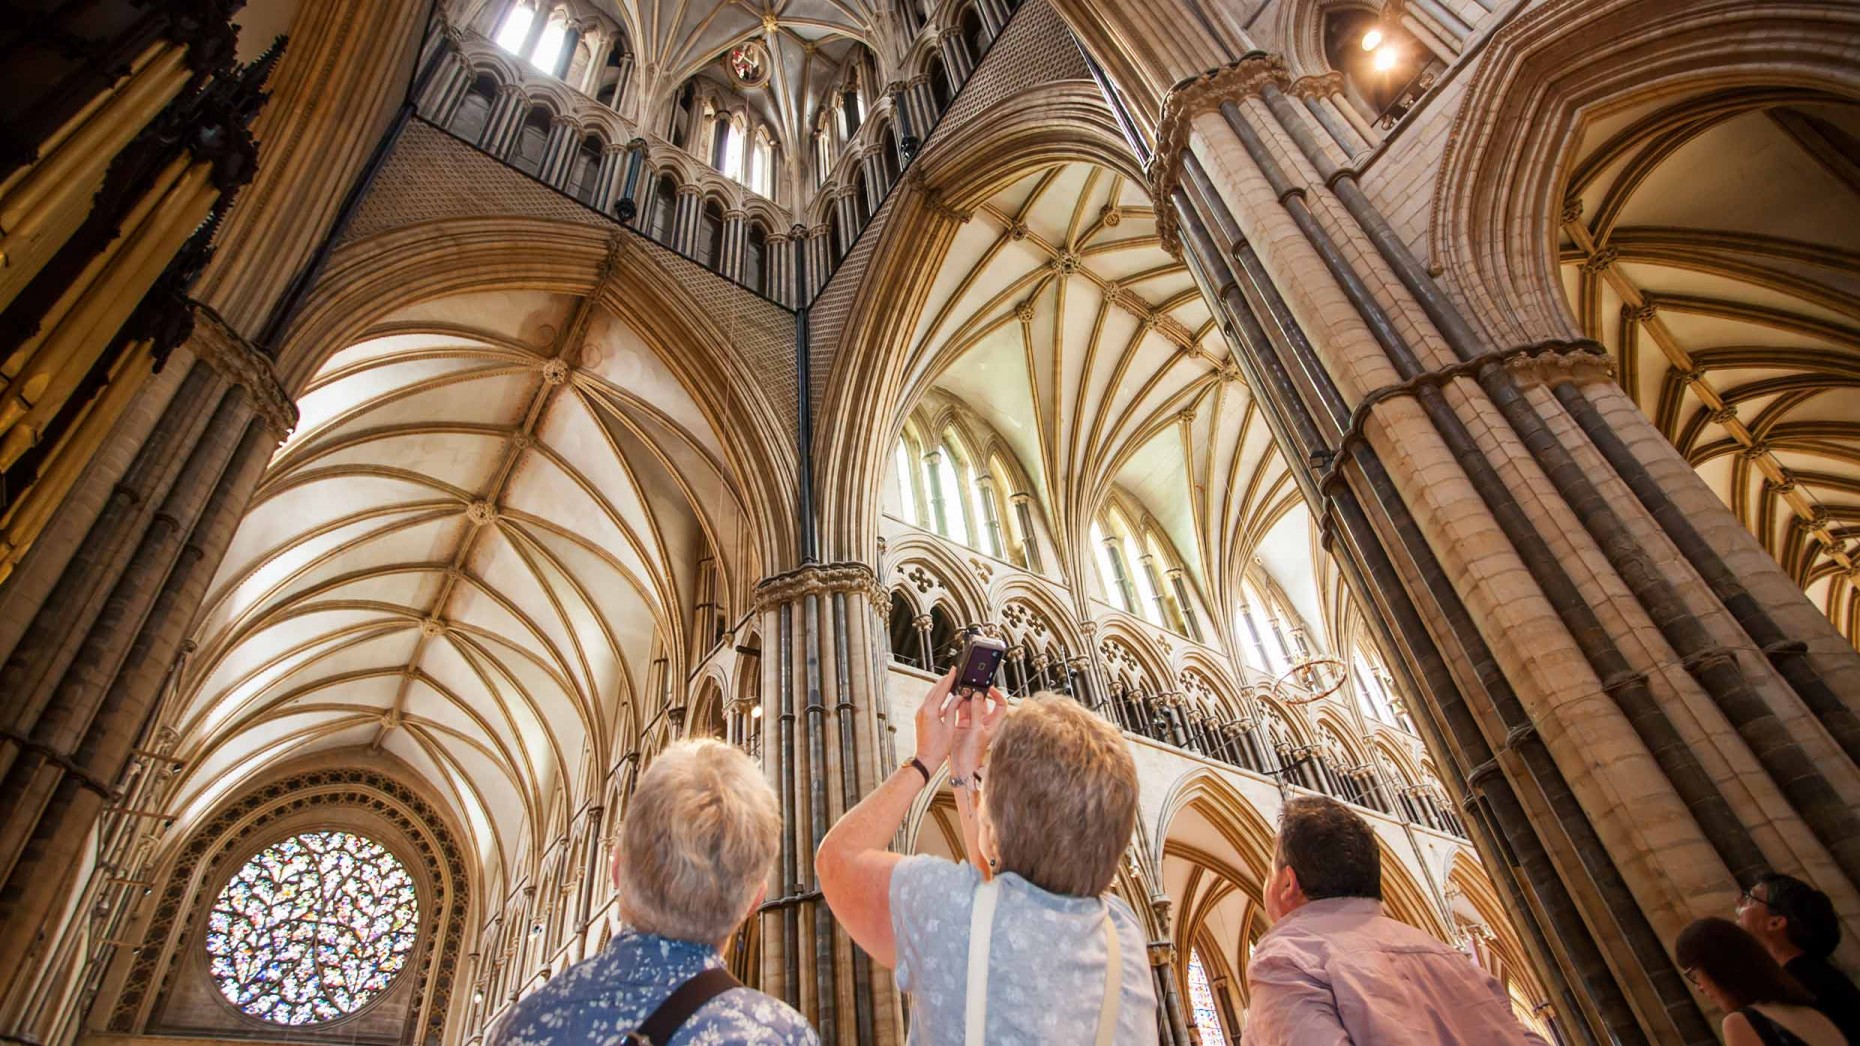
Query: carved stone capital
<point>242,363</point>
<point>1322,86</point>
<point>1554,361</point>
<point>821,579</point>
<point>1187,101</point>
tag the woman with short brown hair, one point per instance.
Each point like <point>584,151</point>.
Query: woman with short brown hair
<point>1022,943</point>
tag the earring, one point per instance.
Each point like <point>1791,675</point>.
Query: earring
<point>994,864</point>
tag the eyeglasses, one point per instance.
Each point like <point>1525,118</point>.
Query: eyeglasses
<point>1750,897</point>
<point>1692,977</point>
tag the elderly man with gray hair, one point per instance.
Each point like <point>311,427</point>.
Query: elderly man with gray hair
<point>693,862</point>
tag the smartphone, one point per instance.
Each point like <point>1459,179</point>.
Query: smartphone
<point>976,665</point>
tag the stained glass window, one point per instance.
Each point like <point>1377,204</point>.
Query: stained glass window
<point>1201,1001</point>
<point>312,928</point>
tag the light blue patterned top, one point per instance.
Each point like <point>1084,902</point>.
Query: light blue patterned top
<point>598,1000</point>
<point>1045,965</point>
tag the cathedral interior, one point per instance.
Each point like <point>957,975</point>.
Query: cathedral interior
<point>415,414</point>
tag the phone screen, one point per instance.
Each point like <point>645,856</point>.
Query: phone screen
<point>979,669</point>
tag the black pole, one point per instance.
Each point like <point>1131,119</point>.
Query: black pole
<point>627,209</point>
<point>808,532</point>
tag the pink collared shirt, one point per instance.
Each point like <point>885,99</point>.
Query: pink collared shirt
<point>1338,972</point>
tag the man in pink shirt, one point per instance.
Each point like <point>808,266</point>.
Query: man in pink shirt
<point>1335,971</point>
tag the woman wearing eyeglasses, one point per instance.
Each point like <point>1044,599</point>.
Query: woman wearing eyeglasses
<point>1762,1004</point>
<point>1023,944</point>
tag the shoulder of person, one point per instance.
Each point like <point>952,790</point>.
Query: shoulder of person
<point>1291,946</point>
<point>758,1019</point>
<point>1121,911</point>
<point>927,876</point>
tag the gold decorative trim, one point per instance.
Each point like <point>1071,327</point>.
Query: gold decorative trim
<point>1187,101</point>
<point>242,363</point>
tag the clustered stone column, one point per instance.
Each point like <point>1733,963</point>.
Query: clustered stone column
<point>824,719</point>
<point>685,220</point>
<point>955,55</point>
<point>1580,646</point>
<point>84,667</point>
<point>735,241</point>
<point>507,114</point>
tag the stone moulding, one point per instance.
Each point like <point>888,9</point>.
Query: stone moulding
<point>1545,360</point>
<point>1320,86</point>
<point>240,362</point>
<point>1188,100</point>
<point>820,579</point>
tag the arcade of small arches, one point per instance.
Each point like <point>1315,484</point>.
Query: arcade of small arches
<point>720,167</point>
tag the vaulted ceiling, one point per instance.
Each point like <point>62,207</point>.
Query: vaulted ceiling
<point>472,554</point>
<point>807,40</point>
<point>1059,319</point>
<point>1717,254</point>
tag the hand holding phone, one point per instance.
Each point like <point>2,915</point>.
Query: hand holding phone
<point>976,665</point>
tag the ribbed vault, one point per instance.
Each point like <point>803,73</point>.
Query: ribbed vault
<point>1057,317</point>
<point>480,551</point>
<point>808,41</point>
<point>1715,251</point>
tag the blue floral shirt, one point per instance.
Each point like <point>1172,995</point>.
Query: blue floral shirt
<point>598,1000</point>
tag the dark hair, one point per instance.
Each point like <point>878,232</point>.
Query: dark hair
<point>1737,963</point>
<point>1332,850</point>
<point>1809,915</point>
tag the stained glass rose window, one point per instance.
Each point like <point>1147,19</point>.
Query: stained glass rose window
<point>312,928</point>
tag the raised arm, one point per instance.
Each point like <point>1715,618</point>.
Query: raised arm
<point>975,727</point>
<point>854,863</point>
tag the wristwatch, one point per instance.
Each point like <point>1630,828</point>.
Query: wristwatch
<point>971,782</point>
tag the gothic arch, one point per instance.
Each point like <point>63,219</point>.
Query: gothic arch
<point>1496,202</point>
<point>1300,27</point>
<point>1406,899</point>
<point>871,391</point>
<point>369,278</point>
<point>366,792</point>
<point>955,578</point>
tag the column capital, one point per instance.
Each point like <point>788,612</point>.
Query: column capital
<point>820,579</point>
<point>1232,82</point>
<point>242,363</point>
<point>1320,86</point>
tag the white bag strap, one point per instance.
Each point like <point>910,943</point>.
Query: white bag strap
<point>981,937</point>
<point>1113,983</point>
<point>981,934</point>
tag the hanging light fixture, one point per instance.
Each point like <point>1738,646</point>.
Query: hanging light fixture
<point>1385,58</point>
<point>1373,38</point>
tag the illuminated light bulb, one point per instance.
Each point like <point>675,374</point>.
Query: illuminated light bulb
<point>756,712</point>
<point>1386,58</point>
<point>1372,39</point>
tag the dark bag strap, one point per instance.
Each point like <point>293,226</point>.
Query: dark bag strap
<point>663,1023</point>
